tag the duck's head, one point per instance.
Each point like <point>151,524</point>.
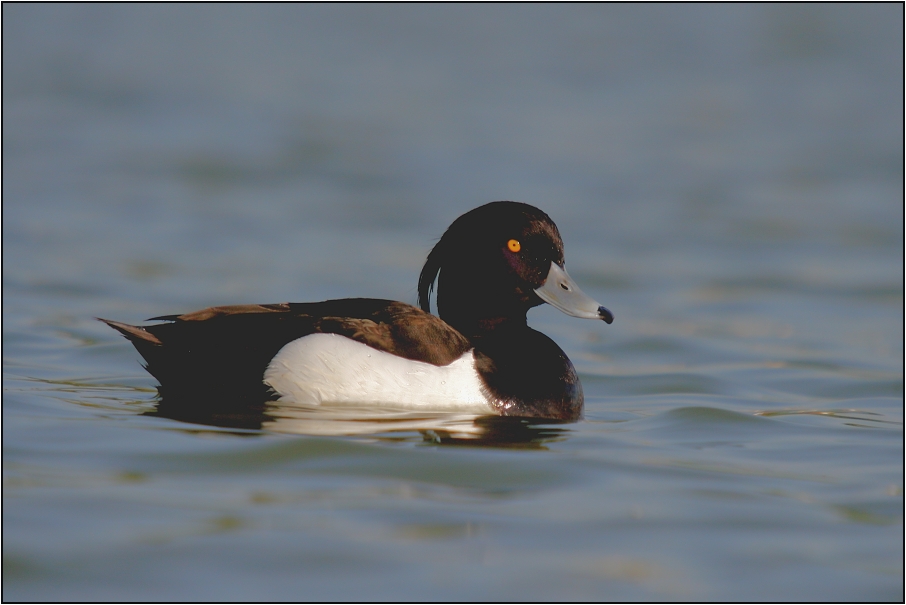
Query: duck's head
<point>496,262</point>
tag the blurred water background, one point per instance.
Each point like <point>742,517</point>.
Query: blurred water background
<point>728,180</point>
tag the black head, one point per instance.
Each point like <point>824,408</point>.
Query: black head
<point>494,264</point>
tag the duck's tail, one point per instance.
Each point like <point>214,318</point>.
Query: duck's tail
<point>134,333</point>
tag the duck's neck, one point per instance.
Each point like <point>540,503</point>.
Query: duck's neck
<point>481,309</point>
<point>477,326</point>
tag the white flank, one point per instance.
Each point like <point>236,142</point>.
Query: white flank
<point>329,368</point>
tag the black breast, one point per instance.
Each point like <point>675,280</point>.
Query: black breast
<point>529,374</point>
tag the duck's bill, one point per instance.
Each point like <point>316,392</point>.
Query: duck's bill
<point>561,291</point>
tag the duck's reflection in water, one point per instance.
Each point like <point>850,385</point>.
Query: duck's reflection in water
<point>380,423</point>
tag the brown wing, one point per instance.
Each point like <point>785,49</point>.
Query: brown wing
<point>223,351</point>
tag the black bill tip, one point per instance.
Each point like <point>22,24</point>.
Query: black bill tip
<point>606,315</point>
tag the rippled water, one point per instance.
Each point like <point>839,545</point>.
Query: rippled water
<point>727,179</point>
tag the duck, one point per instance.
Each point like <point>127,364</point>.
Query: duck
<point>477,355</point>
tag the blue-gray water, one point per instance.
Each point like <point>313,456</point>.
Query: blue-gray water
<point>728,181</point>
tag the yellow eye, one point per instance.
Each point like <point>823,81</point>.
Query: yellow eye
<point>514,245</point>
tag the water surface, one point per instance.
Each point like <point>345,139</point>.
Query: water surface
<point>727,179</point>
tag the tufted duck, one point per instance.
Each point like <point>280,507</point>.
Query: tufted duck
<point>491,266</point>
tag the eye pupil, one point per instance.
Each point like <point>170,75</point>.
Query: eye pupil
<point>564,286</point>
<point>514,245</point>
